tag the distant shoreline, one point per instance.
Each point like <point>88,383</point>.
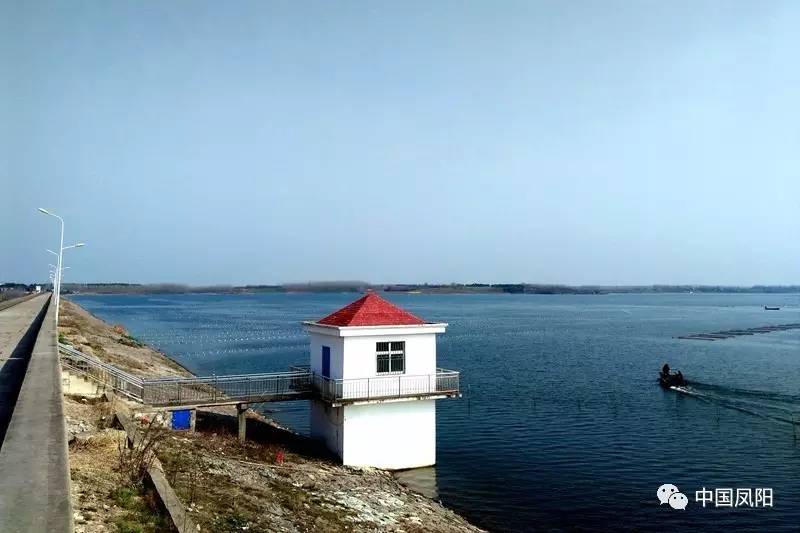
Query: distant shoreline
<point>475,288</point>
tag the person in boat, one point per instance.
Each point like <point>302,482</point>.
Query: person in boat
<point>668,379</point>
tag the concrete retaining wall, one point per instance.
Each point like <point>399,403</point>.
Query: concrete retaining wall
<point>177,512</point>
<point>34,464</point>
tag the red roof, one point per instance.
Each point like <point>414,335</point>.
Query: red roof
<point>371,310</point>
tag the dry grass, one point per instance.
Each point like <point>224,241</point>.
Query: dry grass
<point>229,486</point>
<point>103,499</point>
<point>112,344</point>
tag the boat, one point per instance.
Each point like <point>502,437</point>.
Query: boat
<point>768,308</point>
<point>669,379</point>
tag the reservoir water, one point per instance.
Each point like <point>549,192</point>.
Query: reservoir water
<point>562,425</point>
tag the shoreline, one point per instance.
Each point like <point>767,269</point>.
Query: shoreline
<point>352,499</point>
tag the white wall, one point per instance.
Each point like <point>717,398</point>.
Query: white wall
<point>392,436</point>
<point>336,345</point>
<point>326,425</point>
<point>389,435</point>
<point>361,361</point>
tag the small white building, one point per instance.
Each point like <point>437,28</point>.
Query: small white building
<point>374,369</point>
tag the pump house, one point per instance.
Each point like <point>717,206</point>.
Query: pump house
<point>374,367</point>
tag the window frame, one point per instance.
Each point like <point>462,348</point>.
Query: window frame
<point>390,355</point>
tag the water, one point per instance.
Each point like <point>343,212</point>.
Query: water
<point>562,426</point>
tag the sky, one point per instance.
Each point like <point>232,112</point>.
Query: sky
<point>208,142</point>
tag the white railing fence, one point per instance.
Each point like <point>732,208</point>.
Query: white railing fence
<point>299,383</point>
<point>392,386</point>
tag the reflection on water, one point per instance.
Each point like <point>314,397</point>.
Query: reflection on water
<point>422,480</point>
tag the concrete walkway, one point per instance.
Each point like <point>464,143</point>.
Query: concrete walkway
<point>34,467</point>
<point>18,332</point>
<point>5,304</point>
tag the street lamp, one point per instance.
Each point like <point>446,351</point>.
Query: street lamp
<point>53,269</point>
<point>61,248</point>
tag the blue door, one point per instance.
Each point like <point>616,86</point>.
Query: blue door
<point>326,361</point>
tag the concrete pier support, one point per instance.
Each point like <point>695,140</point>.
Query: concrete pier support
<point>241,411</point>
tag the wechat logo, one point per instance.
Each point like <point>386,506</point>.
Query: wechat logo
<point>670,494</point>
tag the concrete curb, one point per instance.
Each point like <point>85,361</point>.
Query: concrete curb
<point>177,512</point>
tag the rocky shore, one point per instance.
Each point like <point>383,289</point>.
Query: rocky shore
<point>276,481</point>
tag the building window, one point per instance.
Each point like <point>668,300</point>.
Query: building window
<point>391,357</point>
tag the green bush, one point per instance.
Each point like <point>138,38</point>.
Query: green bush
<point>124,525</point>
<point>128,340</point>
<point>125,497</point>
<point>233,521</point>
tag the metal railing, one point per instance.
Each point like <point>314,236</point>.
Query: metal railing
<point>93,368</point>
<point>175,391</point>
<point>299,383</point>
<point>443,382</point>
<point>245,388</point>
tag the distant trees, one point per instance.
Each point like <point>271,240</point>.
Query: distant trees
<point>9,290</point>
<point>14,290</point>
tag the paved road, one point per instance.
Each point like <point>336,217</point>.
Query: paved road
<point>34,467</point>
<point>5,304</point>
<point>17,336</point>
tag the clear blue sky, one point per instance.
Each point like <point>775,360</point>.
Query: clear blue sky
<point>257,142</point>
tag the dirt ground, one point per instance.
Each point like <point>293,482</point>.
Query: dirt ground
<point>282,483</point>
<point>102,498</point>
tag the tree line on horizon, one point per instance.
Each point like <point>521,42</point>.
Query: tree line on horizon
<point>361,286</point>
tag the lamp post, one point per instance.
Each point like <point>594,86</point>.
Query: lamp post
<point>60,253</point>
<point>54,276</point>
<point>53,269</point>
